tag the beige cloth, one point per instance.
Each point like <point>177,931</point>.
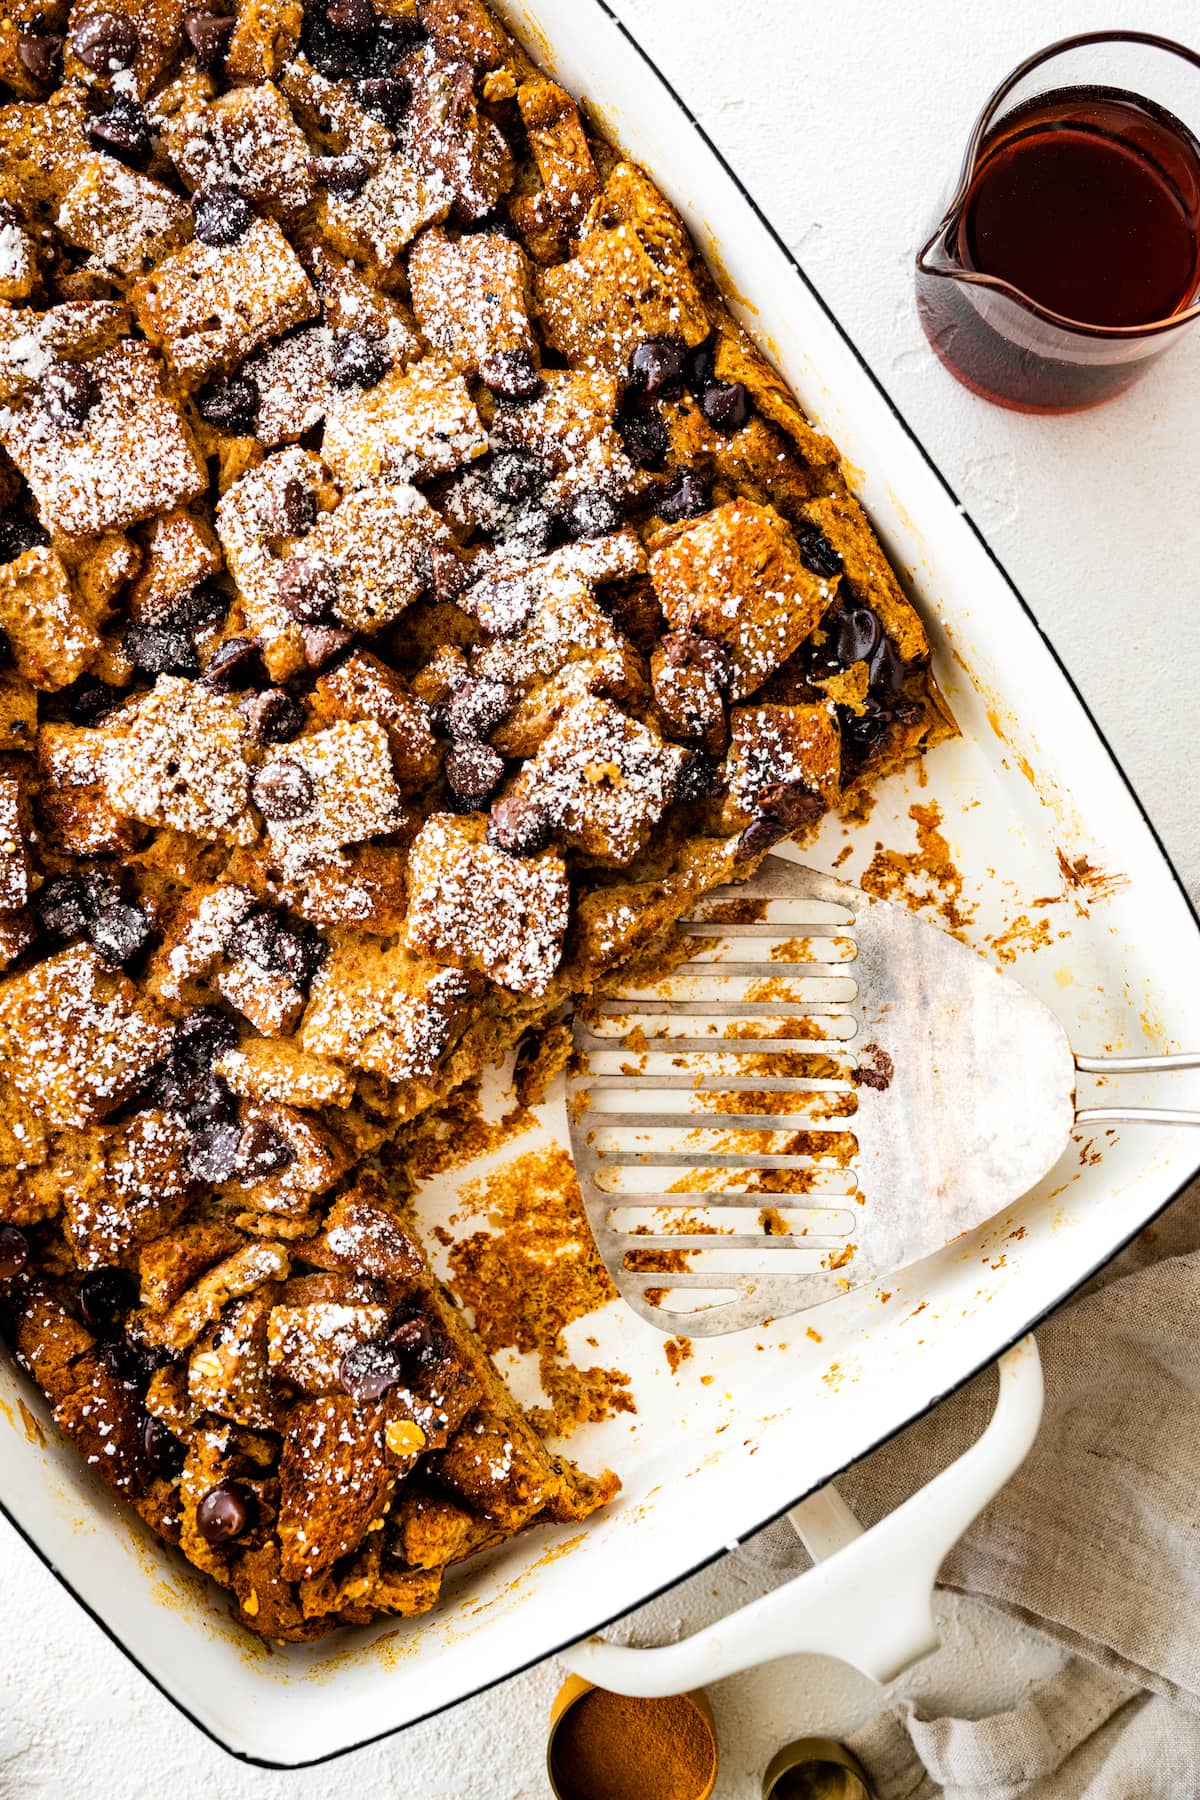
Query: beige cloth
<point>1095,1541</point>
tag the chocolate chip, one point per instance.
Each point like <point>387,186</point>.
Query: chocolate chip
<point>64,907</point>
<point>253,941</point>
<point>165,1454</point>
<point>700,777</point>
<point>323,644</point>
<point>118,932</point>
<point>68,394</point>
<point>263,1152</point>
<point>297,507</point>
<point>205,1100</point>
<point>530,531</point>
<point>475,708</point>
<point>519,826</point>
<point>273,717</point>
<point>385,97</point>
<point>410,1336</point>
<point>208,34</point>
<point>308,590</point>
<point>449,572</point>
<point>204,1035</point>
<point>885,671</point>
<point>817,553</point>
<point>759,836</point>
<point>211,1156</point>
<point>18,533</point>
<point>161,650</point>
<point>231,405</point>
<point>791,803</point>
<point>591,514</point>
<point>104,1294</point>
<point>344,176</point>
<point>351,18</point>
<point>235,664</point>
<point>369,1370</point>
<point>106,44</point>
<point>14,1252</point>
<point>39,52</point>
<point>689,649</point>
<point>656,366</point>
<point>863,732</point>
<point>300,952</point>
<point>473,773</point>
<point>517,476</point>
<point>283,790</point>
<point>225,1512</point>
<point>357,361</point>
<point>685,496</point>
<point>222,215</point>
<point>643,433</point>
<point>511,374</point>
<point>726,405</point>
<point>699,367</point>
<point>122,132</point>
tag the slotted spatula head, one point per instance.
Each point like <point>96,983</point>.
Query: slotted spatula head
<point>828,1089</point>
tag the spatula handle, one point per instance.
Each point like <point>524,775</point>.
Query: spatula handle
<point>868,1599</point>
<point>1137,1065</point>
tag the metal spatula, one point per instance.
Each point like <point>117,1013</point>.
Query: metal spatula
<point>828,1089</point>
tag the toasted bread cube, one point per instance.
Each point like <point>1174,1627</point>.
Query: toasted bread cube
<point>362,687</point>
<point>120,1188</point>
<point>570,427</point>
<point>253,525</point>
<point>264,37</point>
<point>350,303</point>
<point>559,146</point>
<point>466,28</point>
<point>228,1371</point>
<point>387,212</point>
<point>364,1233</point>
<point>564,626</point>
<point>846,526</point>
<point>470,297</point>
<point>448,135</point>
<point>476,908</point>
<point>498,1467</point>
<point>126,220</point>
<point>18,257</point>
<point>606,779</point>
<point>336,1476</point>
<point>414,423</point>
<point>381,1010</point>
<point>246,140</point>
<point>14,859</point>
<point>99,568</point>
<point>202,1304</point>
<point>181,552</point>
<point>131,457</point>
<point>354,794</point>
<point>631,278</point>
<point>318,1161</point>
<point>76,1037</point>
<point>272,1003</point>
<point>51,642</point>
<point>101,1416</point>
<point>736,575</point>
<point>208,306</point>
<point>176,757</point>
<point>262,1070</point>
<point>169,1265</point>
<point>377,544</point>
<point>366,888</point>
<point>780,746</point>
<point>72,800</point>
<point>305,1344</point>
<point>292,377</point>
<point>331,116</point>
<point>158,28</point>
<point>194,941</point>
<point>30,341</point>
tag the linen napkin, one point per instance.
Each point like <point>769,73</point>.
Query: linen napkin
<point>1095,1542</point>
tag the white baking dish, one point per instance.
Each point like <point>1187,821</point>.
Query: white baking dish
<point>1029,789</point>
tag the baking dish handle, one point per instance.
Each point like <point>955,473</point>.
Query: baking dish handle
<point>868,1599</point>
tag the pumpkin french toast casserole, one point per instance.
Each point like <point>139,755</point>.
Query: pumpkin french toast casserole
<point>415,591</point>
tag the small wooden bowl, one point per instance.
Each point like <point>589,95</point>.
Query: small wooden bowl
<point>572,1692</point>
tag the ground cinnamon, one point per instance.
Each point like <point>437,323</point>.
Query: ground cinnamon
<point>610,1747</point>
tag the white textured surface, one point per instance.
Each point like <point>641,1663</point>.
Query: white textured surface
<point>845,122</point>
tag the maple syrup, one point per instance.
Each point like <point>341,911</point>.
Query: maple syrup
<point>1086,202</point>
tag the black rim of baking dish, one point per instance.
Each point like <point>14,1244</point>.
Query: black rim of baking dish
<point>262,1762</point>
